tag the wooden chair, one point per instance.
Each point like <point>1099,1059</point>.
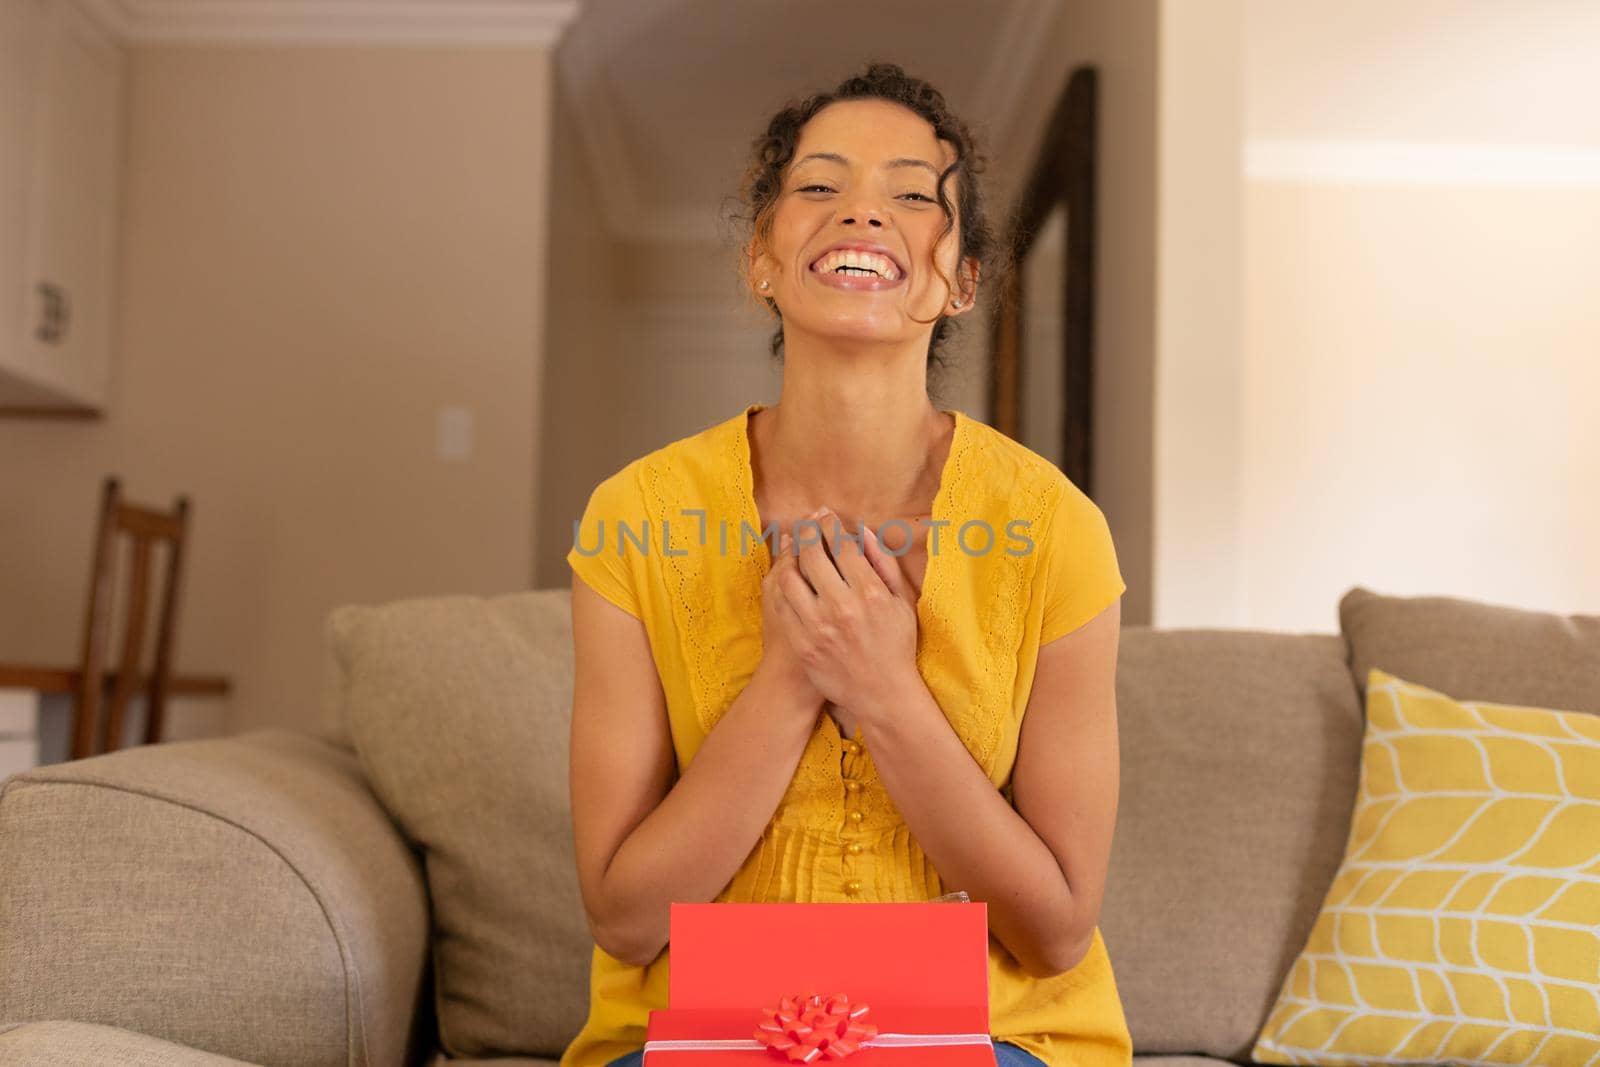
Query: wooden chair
<point>146,528</point>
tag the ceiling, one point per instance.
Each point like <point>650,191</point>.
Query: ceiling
<point>668,94</point>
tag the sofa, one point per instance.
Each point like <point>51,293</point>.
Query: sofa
<point>399,888</point>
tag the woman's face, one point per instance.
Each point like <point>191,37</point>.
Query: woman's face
<point>864,171</point>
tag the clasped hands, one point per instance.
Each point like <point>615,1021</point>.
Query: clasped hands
<point>846,625</point>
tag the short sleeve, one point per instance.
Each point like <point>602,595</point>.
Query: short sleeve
<point>606,540</point>
<point>1082,578</point>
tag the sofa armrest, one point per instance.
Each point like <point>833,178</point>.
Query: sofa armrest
<point>247,896</point>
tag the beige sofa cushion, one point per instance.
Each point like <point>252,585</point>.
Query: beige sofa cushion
<point>509,1061</point>
<point>459,709</point>
<point>63,1043</point>
<point>1475,651</point>
<point>1239,759</point>
<point>245,895</point>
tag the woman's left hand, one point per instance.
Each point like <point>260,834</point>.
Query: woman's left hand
<point>858,633</point>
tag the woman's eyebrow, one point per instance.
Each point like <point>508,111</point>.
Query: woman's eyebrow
<point>903,161</point>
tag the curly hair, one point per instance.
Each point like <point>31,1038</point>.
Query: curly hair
<point>772,151</point>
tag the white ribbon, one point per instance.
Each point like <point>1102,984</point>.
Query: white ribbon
<point>712,1044</point>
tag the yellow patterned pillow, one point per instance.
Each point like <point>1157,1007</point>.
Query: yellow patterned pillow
<point>1463,926</point>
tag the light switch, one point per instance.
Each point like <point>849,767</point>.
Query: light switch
<point>455,434</point>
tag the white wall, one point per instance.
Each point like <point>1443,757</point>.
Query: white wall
<point>1423,375</point>
<point>1422,338</point>
<point>1197,537</point>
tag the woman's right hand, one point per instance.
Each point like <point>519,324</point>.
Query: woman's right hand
<point>778,620</point>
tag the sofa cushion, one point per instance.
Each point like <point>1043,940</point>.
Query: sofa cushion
<point>1464,923</point>
<point>459,709</point>
<point>63,1043</point>
<point>1239,757</point>
<point>506,1061</point>
<point>1475,651</point>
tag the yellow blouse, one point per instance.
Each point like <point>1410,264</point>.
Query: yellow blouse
<point>986,606</point>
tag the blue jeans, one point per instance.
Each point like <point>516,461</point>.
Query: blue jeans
<point>1006,1055</point>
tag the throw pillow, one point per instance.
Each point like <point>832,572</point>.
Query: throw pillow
<point>459,709</point>
<point>1463,925</point>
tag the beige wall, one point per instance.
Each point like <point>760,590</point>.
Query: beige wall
<point>666,351</point>
<point>1420,413</point>
<point>1197,536</point>
<point>577,425</point>
<point>1422,220</point>
<point>1235,316</point>
<point>1120,40</point>
<point>320,247</point>
<point>1228,310</point>
<point>1166,310</point>
<point>1502,71</point>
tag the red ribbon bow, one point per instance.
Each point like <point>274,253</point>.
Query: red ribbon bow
<point>809,1026</point>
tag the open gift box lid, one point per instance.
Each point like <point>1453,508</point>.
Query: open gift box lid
<point>922,969</point>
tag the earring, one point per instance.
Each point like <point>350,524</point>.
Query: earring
<point>765,285</point>
<point>956,302</point>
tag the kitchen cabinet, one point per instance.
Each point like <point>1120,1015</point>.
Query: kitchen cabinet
<point>62,91</point>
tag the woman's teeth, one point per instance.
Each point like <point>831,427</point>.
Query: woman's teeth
<point>850,261</point>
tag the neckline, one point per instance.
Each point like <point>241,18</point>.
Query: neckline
<point>939,511</point>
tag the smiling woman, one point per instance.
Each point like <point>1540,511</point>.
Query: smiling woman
<point>856,712</point>
<point>934,193</point>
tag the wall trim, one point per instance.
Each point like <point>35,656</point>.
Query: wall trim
<point>1336,162</point>
<point>335,22</point>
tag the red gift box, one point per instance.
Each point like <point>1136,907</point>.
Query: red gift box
<point>921,969</point>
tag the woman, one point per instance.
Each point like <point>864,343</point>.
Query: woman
<point>903,706</point>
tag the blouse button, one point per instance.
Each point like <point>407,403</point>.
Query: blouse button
<point>855,816</point>
<point>852,785</point>
<point>851,747</point>
<point>852,887</point>
<point>855,848</point>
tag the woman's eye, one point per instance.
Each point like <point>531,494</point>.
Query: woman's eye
<point>828,189</point>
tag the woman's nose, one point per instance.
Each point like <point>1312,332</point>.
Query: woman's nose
<point>870,217</point>
<point>865,210</point>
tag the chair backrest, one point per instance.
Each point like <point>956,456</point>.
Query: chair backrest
<point>146,528</point>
